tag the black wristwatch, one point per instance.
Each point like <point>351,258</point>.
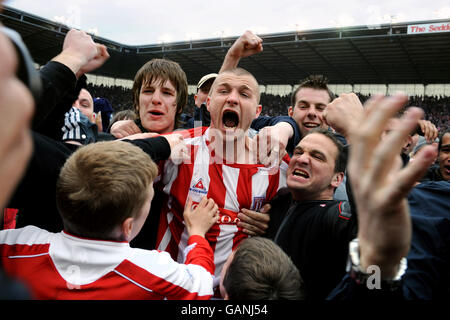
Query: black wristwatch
<point>361,276</point>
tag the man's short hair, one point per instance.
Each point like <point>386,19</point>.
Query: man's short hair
<point>341,159</point>
<point>317,82</point>
<point>163,70</point>
<point>261,270</point>
<point>127,114</point>
<point>101,185</point>
<point>242,72</point>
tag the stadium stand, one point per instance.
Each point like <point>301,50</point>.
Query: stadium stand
<point>348,55</point>
<point>436,108</point>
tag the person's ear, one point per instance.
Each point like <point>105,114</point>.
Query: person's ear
<point>290,111</point>
<point>258,111</point>
<point>208,102</point>
<point>337,179</point>
<point>127,227</point>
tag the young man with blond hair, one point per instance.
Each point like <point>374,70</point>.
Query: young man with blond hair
<point>222,165</point>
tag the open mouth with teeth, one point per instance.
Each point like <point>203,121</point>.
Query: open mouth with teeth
<point>300,173</point>
<point>311,125</point>
<point>230,119</point>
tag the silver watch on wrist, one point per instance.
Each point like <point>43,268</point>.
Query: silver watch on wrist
<point>361,276</point>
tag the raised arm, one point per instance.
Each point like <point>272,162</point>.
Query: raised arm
<point>81,54</point>
<point>380,184</point>
<point>63,77</point>
<point>246,45</point>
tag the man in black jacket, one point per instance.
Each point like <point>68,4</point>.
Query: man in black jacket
<point>306,222</point>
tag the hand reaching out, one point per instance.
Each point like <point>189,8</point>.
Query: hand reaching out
<point>123,128</point>
<point>270,143</point>
<point>343,112</point>
<point>429,130</point>
<point>200,219</point>
<point>178,148</point>
<point>255,223</point>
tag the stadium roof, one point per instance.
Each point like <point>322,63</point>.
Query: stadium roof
<point>384,54</point>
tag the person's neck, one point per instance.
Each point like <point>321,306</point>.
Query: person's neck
<point>237,150</point>
<point>113,237</point>
<point>168,130</point>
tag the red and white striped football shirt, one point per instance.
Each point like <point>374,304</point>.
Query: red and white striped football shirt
<point>232,186</point>
<point>64,267</point>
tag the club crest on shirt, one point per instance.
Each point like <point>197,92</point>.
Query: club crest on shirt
<point>198,187</point>
<point>257,203</point>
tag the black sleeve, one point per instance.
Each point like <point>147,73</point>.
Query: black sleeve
<point>343,223</point>
<point>61,90</point>
<point>105,136</point>
<point>57,81</point>
<point>342,219</point>
<point>157,148</point>
<point>262,122</point>
<point>348,290</point>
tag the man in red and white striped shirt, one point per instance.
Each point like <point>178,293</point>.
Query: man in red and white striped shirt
<point>222,164</point>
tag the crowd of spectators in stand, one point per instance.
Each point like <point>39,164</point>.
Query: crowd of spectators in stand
<point>119,97</point>
<point>437,108</point>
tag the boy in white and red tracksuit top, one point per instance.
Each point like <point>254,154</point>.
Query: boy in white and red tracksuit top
<point>103,194</point>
